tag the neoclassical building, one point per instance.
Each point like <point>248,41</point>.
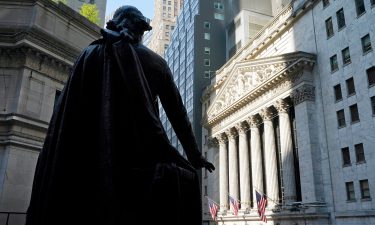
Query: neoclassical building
<point>291,116</point>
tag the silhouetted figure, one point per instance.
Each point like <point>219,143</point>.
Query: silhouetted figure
<point>106,159</point>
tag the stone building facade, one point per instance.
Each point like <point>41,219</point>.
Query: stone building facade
<point>39,42</point>
<point>291,116</point>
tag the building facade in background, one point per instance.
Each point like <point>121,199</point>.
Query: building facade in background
<point>39,42</point>
<point>163,24</point>
<point>292,115</point>
<point>100,4</point>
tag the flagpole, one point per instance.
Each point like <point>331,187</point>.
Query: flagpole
<point>212,200</point>
<point>265,195</point>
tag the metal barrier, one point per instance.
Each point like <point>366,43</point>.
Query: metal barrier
<point>12,218</point>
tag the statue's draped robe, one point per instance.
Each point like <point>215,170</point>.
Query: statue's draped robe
<point>101,160</point>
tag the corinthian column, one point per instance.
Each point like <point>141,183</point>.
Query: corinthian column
<point>287,158</point>
<point>270,159</point>
<point>223,172</point>
<point>244,167</point>
<point>233,164</point>
<point>256,158</point>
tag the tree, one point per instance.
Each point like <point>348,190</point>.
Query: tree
<point>91,12</point>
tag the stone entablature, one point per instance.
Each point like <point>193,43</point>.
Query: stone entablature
<point>251,80</point>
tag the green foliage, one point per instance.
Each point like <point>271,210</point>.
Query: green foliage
<point>62,1</point>
<point>91,12</point>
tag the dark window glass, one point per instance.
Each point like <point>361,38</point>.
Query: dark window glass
<point>345,56</point>
<point>371,76</point>
<point>338,93</point>
<point>359,153</point>
<point>57,95</point>
<point>207,25</point>
<point>345,156</point>
<point>350,86</point>
<point>373,105</point>
<point>340,18</point>
<point>341,118</point>
<point>354,113</point>
<point>365,189</point>
<point>350,194</point>
<point>325,3</point>
<point>372,2</point>
<point>333,61</point>
<point>329,27</point>
<point>366,43</point>
<point>360,7</point>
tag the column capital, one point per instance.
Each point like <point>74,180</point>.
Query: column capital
<point>221,138</point>
<point>253,121</point>
<point>303,93</point>
<point>282,106</point>
<point>266,114</point>
<point>241,127</point>
<point>212,142</point>
<point>231,133</point>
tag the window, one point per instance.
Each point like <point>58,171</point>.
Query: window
<point>329,27</point>
<point>360,7</point>
<point>207,74</point>
<point>206,62</point>
<point>219,16</point>
<point>354,113</point>
<point>359,153</point>
<point>346,56</point>
<point>340,18</point>
<point>366,43</point>
<point>325,3</point>
<point>350,194</point>
<point>207,50</point>
<point>365,189</point>
<point>207,25</point>
<point>338,93</point>
<point>57,95</point>
<point>218,5</point>
<point>350,86</point>
<point>334,65</point>
<point>165,46</point>
<point>167,34</point>
<point>345,156</point>
<point>373,105</point>
<point>371,76</point>
<point>207,36</point>
<point>166,26</point>
<point>341,118</point>
<point>169,2</point>
<point>372,2</point>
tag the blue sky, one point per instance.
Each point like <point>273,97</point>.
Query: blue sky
<point>145,6</point>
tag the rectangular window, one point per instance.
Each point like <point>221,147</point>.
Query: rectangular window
<point>340,19</point>
<point>218,5</point>
<point>359,153</point>
<point>373,105</point>
<point>338,93</point>
<point>207,50</point>
<point>360,7</point>
<point>365,189</point>
<point>207,25</point>
<point>366,43</point>
<point>167,27</point>
<point>354,113</point>
<point>206,62</point>
<point>350,194</point>
<point>207,74</point>
<point>329,27</point>
<point>341,118</point>
<point>371,76</point>
<point>169,2</point>
<point>172,27</point>
<point>325,3</point>
<point>345,56</point>
<point>334,64</point>
<point>207,36</point>
<point>219,16</point>
<point>372,2</point>
<point>350,86</point>
<point>345,156</point>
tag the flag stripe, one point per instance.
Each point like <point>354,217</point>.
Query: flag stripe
<point>261,202</point>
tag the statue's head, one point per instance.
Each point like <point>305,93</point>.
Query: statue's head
<point>130,18</point>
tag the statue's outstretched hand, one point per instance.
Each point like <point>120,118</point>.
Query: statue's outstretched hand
<point>201,162</point>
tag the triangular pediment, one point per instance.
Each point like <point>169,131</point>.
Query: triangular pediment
<point>249,78</point>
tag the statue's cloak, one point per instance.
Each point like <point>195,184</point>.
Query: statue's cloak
<point>102,160</point>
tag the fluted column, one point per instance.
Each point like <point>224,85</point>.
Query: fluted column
<point>223,170</point>
<point>233,164</point>
<point>286,149</point>
<point>270,159</point>
<point>256,158</point>
<point>245,189</point>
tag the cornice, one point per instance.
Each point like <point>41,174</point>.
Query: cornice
<point>253,78</point>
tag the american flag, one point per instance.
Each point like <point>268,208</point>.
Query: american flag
<point>235,205</point>
<point>214,208</point>
<point>261,202</point>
